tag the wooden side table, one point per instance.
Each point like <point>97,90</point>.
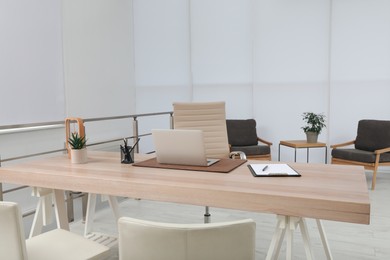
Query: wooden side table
<point>297,144</point>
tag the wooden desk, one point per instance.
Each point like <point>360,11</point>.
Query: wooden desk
<point>296,144</point>
<point>331,192</point>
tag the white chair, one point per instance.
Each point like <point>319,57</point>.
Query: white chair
<point>57,244</point>
<point>147,240</point>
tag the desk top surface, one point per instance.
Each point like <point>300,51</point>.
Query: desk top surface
<point>332,192</point>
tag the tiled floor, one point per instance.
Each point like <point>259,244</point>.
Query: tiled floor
<point>347,241</point>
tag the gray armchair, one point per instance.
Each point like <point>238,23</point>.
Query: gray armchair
<point>242,136</point>
<point>371,147</point>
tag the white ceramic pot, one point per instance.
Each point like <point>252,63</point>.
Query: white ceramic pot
<point>78,155</point>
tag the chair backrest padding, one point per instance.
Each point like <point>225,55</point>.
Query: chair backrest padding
<point>147,240</point>
<point>372,135</point>
<point>12,242</point>
<point>241,132</point>
<point>209,117</point>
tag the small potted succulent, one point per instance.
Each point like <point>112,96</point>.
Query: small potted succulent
<point>314,125</point>
<point>78,152</point>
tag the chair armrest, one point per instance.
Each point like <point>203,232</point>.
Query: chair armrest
<point>264,141</point>
<point>384,150</point>
<point>342,144</point>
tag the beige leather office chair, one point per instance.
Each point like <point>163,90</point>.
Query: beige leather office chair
<point>210,117</point>
<point>147,240</point>
<point>57,244</point>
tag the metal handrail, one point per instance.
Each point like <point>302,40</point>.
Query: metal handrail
<point>62,123</point>
<point>17,127</point>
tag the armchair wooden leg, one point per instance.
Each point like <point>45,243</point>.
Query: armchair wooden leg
<point>374,178</point>
<point>375,171</point>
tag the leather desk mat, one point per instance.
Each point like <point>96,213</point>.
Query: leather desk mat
<point>223,165</point>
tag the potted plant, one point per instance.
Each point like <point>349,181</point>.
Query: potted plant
<point>314,125</point>
<point>78,152</point>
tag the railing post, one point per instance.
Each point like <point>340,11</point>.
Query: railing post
<point>171,120</point>
<point>1,186</point>
<point>135,133</point>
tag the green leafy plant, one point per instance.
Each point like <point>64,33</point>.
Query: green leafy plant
<point>314,122</point>
<point>76,141</point>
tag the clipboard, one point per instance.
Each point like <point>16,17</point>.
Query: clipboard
<point>273,170</point>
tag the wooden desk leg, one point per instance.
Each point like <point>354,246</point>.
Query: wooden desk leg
<point>60,210</point>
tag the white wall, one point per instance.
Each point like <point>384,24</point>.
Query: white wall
<point>98,64</point>
<point>360,68</point>
<point>31,75</point>
<point>63,58</point>
<point>268,59</point>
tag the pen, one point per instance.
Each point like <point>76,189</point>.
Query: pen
<point>135,144</point>
<point>123,149</point>
<point>265,168</point>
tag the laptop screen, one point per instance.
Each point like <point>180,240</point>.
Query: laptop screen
<point>179,146</point>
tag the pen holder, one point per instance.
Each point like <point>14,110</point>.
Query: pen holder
<point>127,155</point>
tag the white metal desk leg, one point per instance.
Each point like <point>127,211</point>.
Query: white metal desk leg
<point>43,211</point>
<point>306,239</point>
<point>91,206</point>
<point>290,227</point>
<point>60,210</point>
<point>324,239</point>
<point>114,206</point>
<point>277,239</point>
<point>37,223</point>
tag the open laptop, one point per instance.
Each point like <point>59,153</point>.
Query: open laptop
<point>179,146</point>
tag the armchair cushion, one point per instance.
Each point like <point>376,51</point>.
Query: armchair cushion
<point>241,132</point>
<point>373,135</point>
<point>359,155</point>
<point>252,149</point>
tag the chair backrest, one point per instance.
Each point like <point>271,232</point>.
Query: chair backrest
<point>241,132</point>
<point>372,135</point>
<point>12,242</point>
<point>147,240</point>
<point>210,117</point>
